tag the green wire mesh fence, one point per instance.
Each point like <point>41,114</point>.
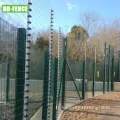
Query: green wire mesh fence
<point>8,49</point>
<point>47,83</point>
<point>90,77</point>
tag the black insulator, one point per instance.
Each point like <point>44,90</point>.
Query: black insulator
<point>30,3</point>
<point>29,41</point>
<point>27,84</point>
<point>26,103</point>
<point>29,28</point>
<point>29,16</point>
<point>26,116</point>
<point>30,9</point>
<point>29,22</point>
<point>26,97</point>
<point>28,47</point>
<point>27,78</point>
<point>27,72</point>
<point>27,65</point>
<point>28,53</point>
<point>26,90</point>
<point>25,109</point>
<point>28,34</point>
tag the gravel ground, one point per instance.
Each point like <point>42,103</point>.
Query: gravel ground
<point>7,110</point>
<point>89,109</point>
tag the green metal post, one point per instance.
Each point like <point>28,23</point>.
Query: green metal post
<point>84,75</point>
<point>93,86</point>
<point>83,81</point>
<point>55,89</point>
<point>94,75</point>
<point>109,57</point>
<point>8,81</point>
<point>104,80</point>
<point>63,72</point>
<point>119,64</point>
<point>45,86</point>
<point>20,74</point>
<point>112,71</point>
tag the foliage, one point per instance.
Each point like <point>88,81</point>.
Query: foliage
<point>78,33</point>
<point>42,43</point>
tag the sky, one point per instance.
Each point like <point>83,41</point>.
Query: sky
<point>68,12</point>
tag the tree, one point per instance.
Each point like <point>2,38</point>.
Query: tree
<point>42,43</point>
<point>90,21</point>
<point>110,34</point>
<point>78,33</point>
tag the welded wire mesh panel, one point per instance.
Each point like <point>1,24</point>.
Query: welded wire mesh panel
<point>89,78</point>
<point>73,82</point>
<point>3,77</point>
<point>99,78</point>
<point>116,70</point>
<point>77,72</point>
<point>100,72</point>
<point>8,48</point>
<point>76,68</point>
<point>36,81</point>
<point>89,66</point>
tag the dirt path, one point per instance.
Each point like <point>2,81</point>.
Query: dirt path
<point>103,107</point>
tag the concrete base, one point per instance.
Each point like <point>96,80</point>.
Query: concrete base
<point>117,86</point>
<point>38,115</point>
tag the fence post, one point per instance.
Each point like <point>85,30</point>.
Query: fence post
<point>83,81</point>
<point>50,65</point>
<point>20,74</point>
<point>55,89</point>
<point>45,86</point>
<point>63,72</point>
<point>104,80</point>
<point>8,81</point>
<point>109,56</point>
<point>84,76</point>
<point>119,64</point>
<point>94,75</point>
<point>112,71</point>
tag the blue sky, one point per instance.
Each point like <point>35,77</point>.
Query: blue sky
<point>67,12</point>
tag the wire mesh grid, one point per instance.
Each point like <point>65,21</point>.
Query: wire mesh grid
<point>8,49</point>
